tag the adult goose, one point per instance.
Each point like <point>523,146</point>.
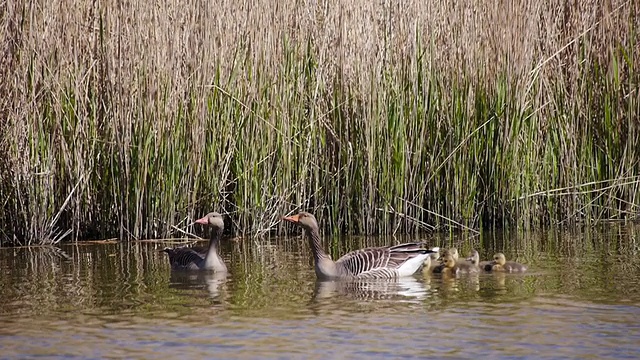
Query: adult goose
<point>189,259</point>
<point>370,263</point>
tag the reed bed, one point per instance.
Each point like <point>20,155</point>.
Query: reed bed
<point>127,119</point>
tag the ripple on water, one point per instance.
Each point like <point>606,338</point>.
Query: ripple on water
<point>270,305</point>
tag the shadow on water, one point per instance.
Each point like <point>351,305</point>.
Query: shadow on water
<point>121,299</point>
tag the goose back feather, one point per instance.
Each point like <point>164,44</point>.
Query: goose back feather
<point>369,263</point>
<point>191,259</point>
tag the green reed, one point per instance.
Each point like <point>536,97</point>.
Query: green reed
<point>132,134</point>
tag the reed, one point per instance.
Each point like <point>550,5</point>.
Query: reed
<point>128,119</point>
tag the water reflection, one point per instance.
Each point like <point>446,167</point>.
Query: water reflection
<point>372,289</point>
<point>122,300</point>
<point>213,283</point>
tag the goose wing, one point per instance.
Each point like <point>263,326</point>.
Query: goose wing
<point>380,261</point>
<point>183,257</point>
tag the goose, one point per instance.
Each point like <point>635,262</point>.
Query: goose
<point>189,259</point>
<point>474,258</point>
<point>369,263</point>
<point>500,264</point>
<point>453,267</point>
<point>431,262</point>
<point>439,266</point>
<point>451,251</point>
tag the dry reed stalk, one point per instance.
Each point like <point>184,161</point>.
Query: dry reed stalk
<point>176,108</point>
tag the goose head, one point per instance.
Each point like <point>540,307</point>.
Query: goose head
<point>499,259</point>
<point>448,261</point>
<point>303,219</point>
<point>474,257</point>
<point>453,252</point>
<point>212,219</point>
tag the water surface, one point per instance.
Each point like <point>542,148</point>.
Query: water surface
<point>580,299</point>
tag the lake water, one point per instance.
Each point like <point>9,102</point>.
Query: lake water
<point>580,299</point>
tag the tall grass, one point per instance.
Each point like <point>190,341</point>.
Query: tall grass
<point>127,119</point>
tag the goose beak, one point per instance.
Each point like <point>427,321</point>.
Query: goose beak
<point>293,218</point>
<point>202,221</point>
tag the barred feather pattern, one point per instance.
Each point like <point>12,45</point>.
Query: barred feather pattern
<point>379,262</point>
<point>185,258</point>
<point>369,263</point>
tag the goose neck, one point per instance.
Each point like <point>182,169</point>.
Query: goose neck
<point>316,245</point>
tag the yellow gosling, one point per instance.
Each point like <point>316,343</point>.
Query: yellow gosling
<point>500,264</point>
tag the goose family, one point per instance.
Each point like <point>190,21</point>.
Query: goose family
<point>185,258</point>
<point>369,263</point>
<point>374,262</point>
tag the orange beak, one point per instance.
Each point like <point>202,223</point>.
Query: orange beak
<point>293,218</point>
<point>203,221</point>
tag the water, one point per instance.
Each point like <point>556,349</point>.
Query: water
<point>580,299</point>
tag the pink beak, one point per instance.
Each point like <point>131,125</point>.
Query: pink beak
<point>203,221</point>
<point>293,218</point>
